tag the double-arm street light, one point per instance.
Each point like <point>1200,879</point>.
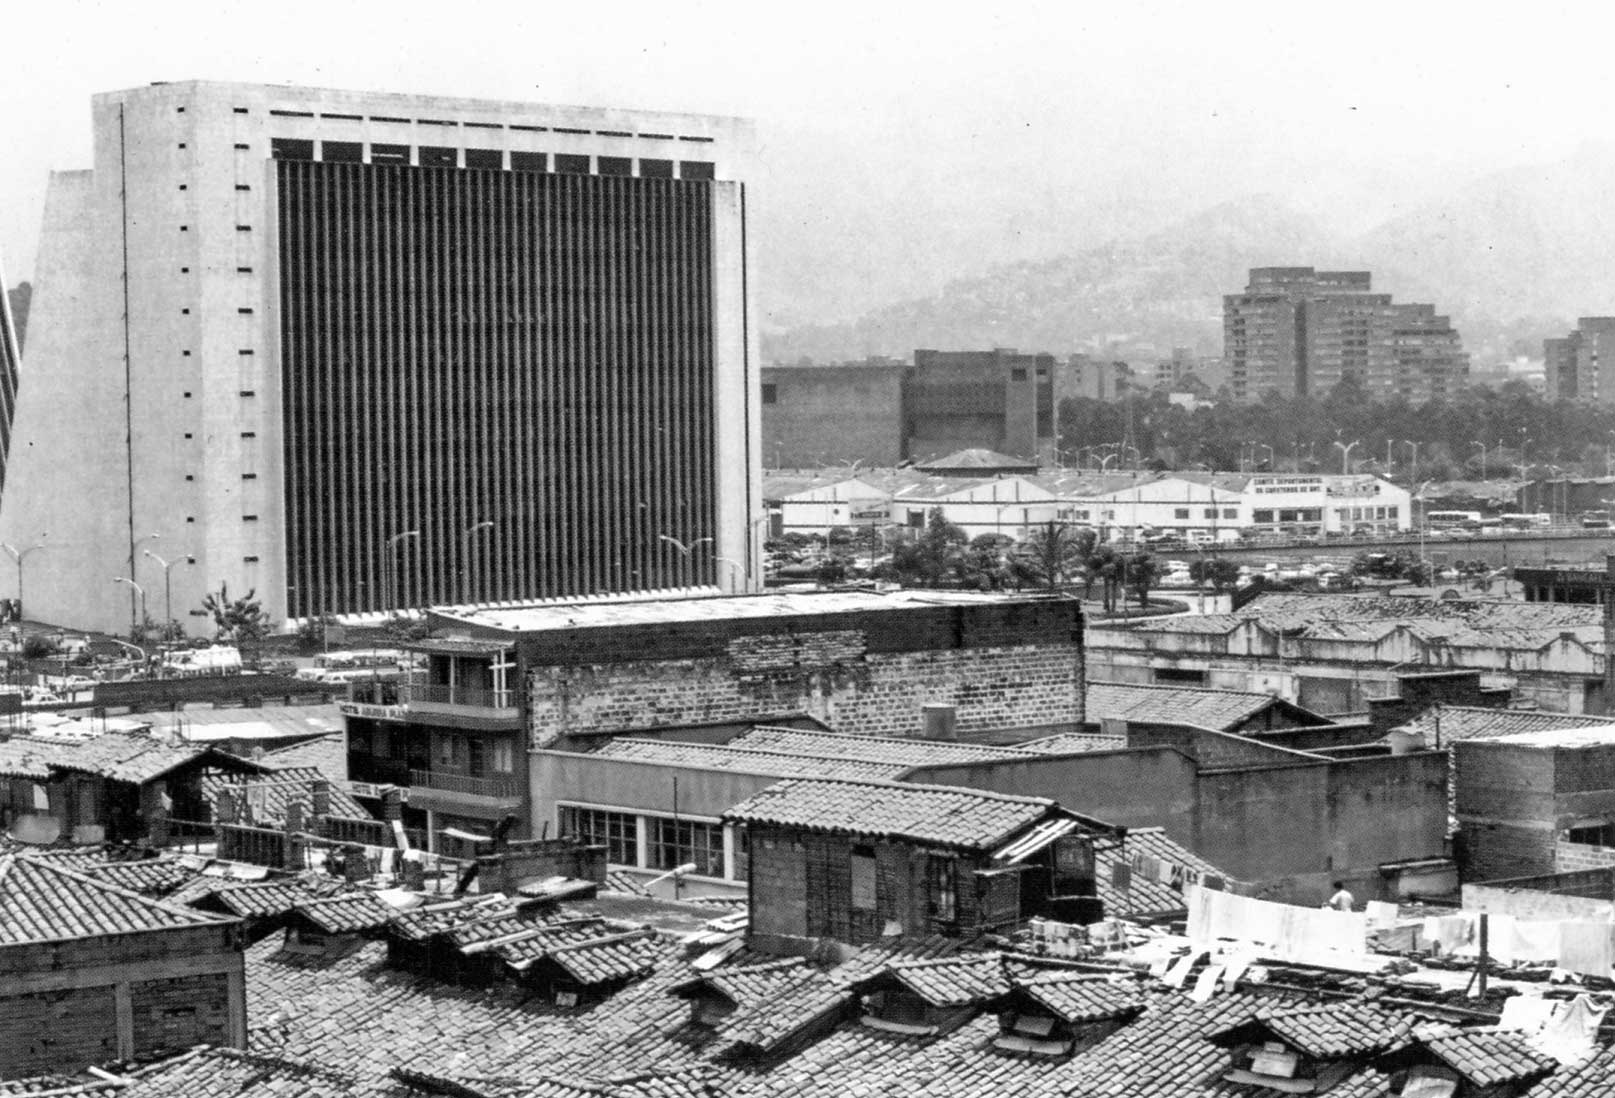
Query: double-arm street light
<point>141,591</point>
<point>19,556</point>
<point>168,586</point>
<point>1345,453</point>
<point>465,555</point>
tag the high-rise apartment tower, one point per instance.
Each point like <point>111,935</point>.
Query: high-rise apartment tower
<point>1296,331</point>
<point>367,351</point>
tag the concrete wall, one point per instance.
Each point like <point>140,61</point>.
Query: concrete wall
<point>829,415</point>
<point>1004,665</point>
<point>1148,787</point>
<point>633,786</point>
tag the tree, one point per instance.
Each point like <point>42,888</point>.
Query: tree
<point>1056,554</point>
<point>1214,572</point>
<point>1141,571</point>
<point>239,620</point>
<point>926,561</point>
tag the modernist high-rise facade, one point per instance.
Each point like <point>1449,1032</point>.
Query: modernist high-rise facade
<point>1297,331</point>
<point>365,351</point>
<point>10,364</point>
<point>1581,366</point>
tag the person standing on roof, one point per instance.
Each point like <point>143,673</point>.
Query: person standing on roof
<point>1342,900</point>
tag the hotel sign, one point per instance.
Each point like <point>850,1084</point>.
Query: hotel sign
<point>372,712</point>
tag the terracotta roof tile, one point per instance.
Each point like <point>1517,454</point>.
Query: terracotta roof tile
<point>934,814</point>
<point>1080,997</point>
<point>42,902</point>
<point>1222,710</point>
<point>601,960</point>
<point>842,745</point>
<point>727,757</point>
<point>1488,1057</point>
<point>972,979</point>
<point>1335,1031</point>
<point>349,913</point>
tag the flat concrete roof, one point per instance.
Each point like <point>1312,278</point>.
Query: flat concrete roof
<point>596,615</point>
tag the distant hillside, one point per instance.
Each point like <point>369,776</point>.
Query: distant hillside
<point>1165,289</point>
<point>1512,257</point>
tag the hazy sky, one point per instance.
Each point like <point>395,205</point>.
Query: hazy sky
<point>902,145</point>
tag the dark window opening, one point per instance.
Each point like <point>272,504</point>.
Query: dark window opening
<point>389,154</point>
<point>435,156</point>
<point>484,125</point>
<point>386,118</point>
<point>289,148</point>
<point>529,162</point>
<point>529,129</point>
<point>656,169</point>
<point>249,434</point>
<point>239,110</point>
<point>245,351</point>
<point>243,228</point>
<point>249,518</point>
<point>243,186</point>
<point>616,165</point>
<point>244,270</point>
<point>249,560</point>
<point>435,122</point>
<point>244,311</point>
<point>292,114</point>
<point>1180,674</point>
<point>572,163</point>
<point>248,393</point>
<point>657,136</point>
<point>569,129</point>
<point>183,187</point>
<point>770,394</point>
<point>242,146</point>
<point>484,158</point>
<point>692,137</point>
<point>344,117</point>
<point>1017,374</point>
<point>249,476</point>
<point>697,169</point>
<point>613,133</point>
<point>342,152</point>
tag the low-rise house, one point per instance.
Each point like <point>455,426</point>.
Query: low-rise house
<point>857,861</point>
<point>91,973</point>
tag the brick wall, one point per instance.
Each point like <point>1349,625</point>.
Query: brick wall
<point>172,1015</point>
<point>1573,857</point>
<point>1010,665</point>
<point>57,1031</point>
<point>66,1005</point>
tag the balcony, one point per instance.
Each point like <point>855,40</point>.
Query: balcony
<point>503,787</point>
<point>471,707</point>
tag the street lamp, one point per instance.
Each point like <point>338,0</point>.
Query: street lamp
<point>168,586</point>
<point>1345,454</point>
<point>141,591</point>
<point>1413,477</point>
<point>391,567</point>
<point>1482,446</point>
<point>1272,459</point>
<point>20,555</point>
<point>686,550</point>
<point>465,554</point>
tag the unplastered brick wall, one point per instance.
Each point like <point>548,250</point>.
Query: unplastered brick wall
<point>170,1015</point>
<point>57,1031</point>
<point>1010,665</point>
<point>1572,857</point>
<point>1023,686</point>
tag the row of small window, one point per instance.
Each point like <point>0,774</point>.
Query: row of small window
<point>1368,514</point>
<point>669,843</point>
<point>1288,514</point>
<point>432,156</point>
<point>329,115</point>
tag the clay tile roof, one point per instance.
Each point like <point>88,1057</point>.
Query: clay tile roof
<point>727,757</point>
<point>270,899</point>
<point>952,981</point>
<point>152,877</point>
<point>747,983</point>
<point>522,952</point>
<point>941,815</point>
<point>765,1023</point>
<point>1450,723</point>
<point>44,902</point>
<point>602,960</point>
<point>349,913</point>
<point>1078,997</point>
<point>424,922</point>
<point>1336,1031</point>
<point>884,749</point>
<point>282,787</point>
<point>1218,709</point>
<point>220,1072</point>
<point>1145,896</point>
<point>1588,1079</point>
<point>1488,1057</point>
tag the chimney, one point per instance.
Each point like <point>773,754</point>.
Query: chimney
<point>319,792</point>
<point>940,722</point>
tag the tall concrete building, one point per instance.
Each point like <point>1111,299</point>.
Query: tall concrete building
<point>365,351</point>
<point>1296,331</point>
<point>1581,366</point>
<point>991,400</point>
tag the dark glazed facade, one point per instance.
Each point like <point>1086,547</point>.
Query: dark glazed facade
<point>464,346</point>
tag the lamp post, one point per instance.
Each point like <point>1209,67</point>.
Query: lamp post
<point>465,554</point>
<point>687,551</point>
<point>391,564</point>
<point>1482,446</point>
<point>19,556</point>
<point>168,586</point>
<point>1345,454</point>
<point>145,658</point>
<point>1413,476</point>
<point>1272,459</point>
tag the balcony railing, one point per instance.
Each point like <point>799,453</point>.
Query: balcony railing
<point>504,787</point>
<point>420,693</point>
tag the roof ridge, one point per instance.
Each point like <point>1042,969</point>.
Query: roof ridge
<point>129,894</point>
<point>861,738</point>
<point>921,787</point>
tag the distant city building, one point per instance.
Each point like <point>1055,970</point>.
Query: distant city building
<point>357,352</point>
<point>990,400</point>
<point>1581,365</point>
<point>814,416</point>
<point>1296,331</point>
